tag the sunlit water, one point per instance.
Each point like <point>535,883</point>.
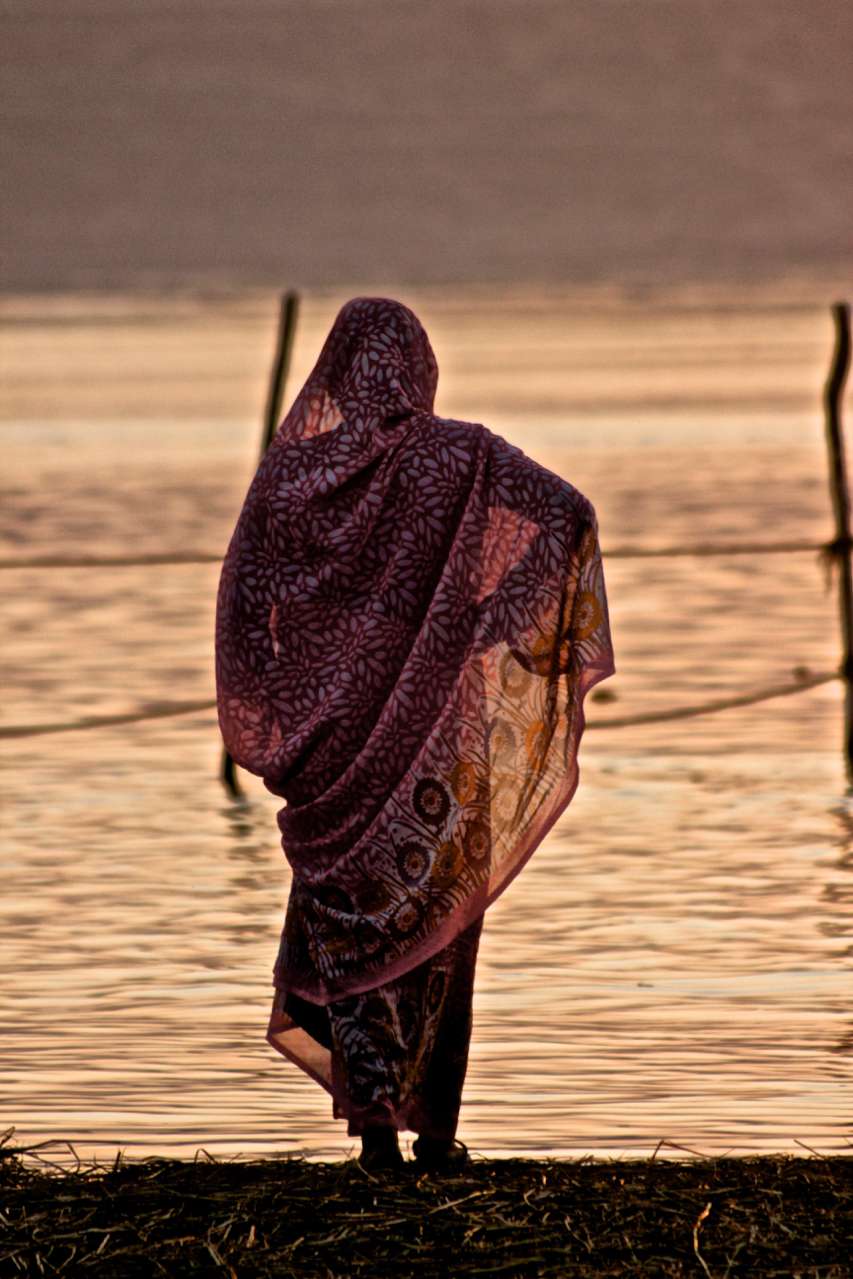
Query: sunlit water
<point>674,963</point>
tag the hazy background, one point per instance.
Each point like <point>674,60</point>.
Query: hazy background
<point>322,142</point>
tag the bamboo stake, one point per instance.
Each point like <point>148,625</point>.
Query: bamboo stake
<point>841,547</point>
<point>281,366</point>
<point>272,417</point>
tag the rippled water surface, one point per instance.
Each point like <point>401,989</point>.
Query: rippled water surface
<point>674,962</point>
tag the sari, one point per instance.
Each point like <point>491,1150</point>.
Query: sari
<point>410,614</point>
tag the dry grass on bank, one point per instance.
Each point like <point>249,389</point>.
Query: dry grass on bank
<point>766,1216</point>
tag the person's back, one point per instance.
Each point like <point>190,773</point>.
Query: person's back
<point>410,614</point>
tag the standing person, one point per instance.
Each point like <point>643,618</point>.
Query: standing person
<point>409,616</point>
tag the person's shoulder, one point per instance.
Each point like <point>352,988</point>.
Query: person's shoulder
<point>451,428</point>
<point>515,469</point>
<point>448,440</point>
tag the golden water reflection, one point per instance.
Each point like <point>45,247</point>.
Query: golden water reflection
<point>674,962</point>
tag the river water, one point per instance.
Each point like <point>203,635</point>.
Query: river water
<point>675,961</point>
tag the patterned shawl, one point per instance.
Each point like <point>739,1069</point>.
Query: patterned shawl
<point>410,614</point>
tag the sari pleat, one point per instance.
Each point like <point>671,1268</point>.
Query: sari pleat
<point>395,1055</point>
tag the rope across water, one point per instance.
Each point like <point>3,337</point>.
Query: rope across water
<point>167,710</point>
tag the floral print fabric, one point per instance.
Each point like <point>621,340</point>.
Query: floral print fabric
<point>410,614</point>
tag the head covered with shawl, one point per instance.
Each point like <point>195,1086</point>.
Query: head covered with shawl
<point>410,614</point>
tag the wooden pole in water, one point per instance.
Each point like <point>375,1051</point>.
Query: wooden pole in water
<point>280,367</point>
<point>841,546</point>
<point>272,417</point>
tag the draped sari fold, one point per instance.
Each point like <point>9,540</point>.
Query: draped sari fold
<point>410,614</point>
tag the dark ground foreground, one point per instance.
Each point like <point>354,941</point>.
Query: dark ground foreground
<point>763,1216</point>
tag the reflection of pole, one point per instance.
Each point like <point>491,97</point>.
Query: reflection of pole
<point>272,418</point>
<point>841,546</point>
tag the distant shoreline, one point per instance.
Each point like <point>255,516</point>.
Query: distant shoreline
<point>790,288</point>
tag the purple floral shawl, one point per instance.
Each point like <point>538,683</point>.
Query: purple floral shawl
<point>409,616</point>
